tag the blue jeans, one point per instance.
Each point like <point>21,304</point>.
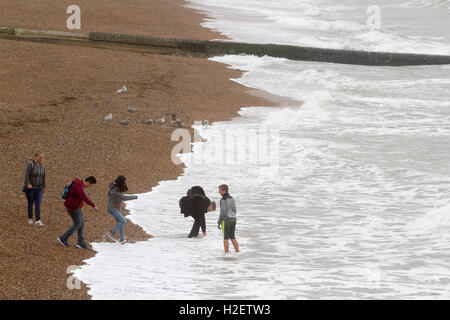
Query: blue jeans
<point>78,225</point>
<point>34,196</point>
<point>121,221</point>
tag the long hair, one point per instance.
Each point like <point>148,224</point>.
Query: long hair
<point>120,184</point>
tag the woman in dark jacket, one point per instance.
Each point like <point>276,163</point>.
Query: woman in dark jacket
<point>34,187</point>
<point>116,197</point>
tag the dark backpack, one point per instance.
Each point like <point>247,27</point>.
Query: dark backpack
<point>196,191</point>
<point>65,193</point>
<point>186,206</point>
<point>195,201</point>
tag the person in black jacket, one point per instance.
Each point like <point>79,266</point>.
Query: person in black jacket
<point>196,204</point>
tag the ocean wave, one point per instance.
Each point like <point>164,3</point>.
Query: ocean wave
<point>329,25</point>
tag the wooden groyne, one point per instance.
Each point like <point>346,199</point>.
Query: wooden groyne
<point>214,48</point>
<point>217,48</point>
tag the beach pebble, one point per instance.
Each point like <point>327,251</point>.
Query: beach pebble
<point>124,122</point>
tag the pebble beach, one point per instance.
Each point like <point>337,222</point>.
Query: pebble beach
<point>54,99</point>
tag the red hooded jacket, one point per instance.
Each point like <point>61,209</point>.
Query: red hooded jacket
<point>77,196</point>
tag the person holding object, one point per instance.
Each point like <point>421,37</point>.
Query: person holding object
<point>227,218</point>
<point>34,187</point>
<point>74,203</point>
<point>116,197</point>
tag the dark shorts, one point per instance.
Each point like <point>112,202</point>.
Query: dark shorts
<point>229,229</point>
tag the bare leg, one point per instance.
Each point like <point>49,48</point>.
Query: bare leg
<point>226,245</point>
<point>235,244</point>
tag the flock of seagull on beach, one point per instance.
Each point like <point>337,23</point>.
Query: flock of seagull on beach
<point>175,121</point>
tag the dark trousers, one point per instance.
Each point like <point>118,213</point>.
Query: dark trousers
<point>34,197</point>
<point>198,222</point>
<point>78,225</point>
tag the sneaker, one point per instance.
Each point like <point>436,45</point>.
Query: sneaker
<point>30,221</point>
<point>122,242</point>
<point>82,246</point>
<point>110,235</point>
<point>39,223</point>
<point>64,243</point>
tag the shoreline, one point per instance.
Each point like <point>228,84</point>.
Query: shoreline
<point>54,100</point>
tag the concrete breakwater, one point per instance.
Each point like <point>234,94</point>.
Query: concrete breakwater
<point>216,48</point>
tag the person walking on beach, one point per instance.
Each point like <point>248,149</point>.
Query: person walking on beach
<point>227,219</point>
<point>34,187</point>
<point>74,203</point>
<point>200,205</point>
<point>116,197</point>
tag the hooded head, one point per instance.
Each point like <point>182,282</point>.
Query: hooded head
<point>120,184</point>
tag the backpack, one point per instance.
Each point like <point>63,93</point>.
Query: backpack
<point>196,191</point>
<point>66,190</point>
<point>194,201</point>
<point>186,206</point>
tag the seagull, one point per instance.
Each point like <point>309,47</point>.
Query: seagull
<point>108,117</point>
<point>161,121</point>
<point>176,121</point>
<point>149,121</point>
<point>124,122</point>
<point>122,90</point>
<point>131,109</point>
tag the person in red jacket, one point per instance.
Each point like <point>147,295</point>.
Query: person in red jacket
<point>73,204</point>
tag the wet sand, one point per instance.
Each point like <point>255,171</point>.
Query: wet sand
<point>53,99</point>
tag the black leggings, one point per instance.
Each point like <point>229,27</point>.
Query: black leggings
<point>199,222</point>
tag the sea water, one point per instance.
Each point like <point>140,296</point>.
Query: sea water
<point>352,197</point>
